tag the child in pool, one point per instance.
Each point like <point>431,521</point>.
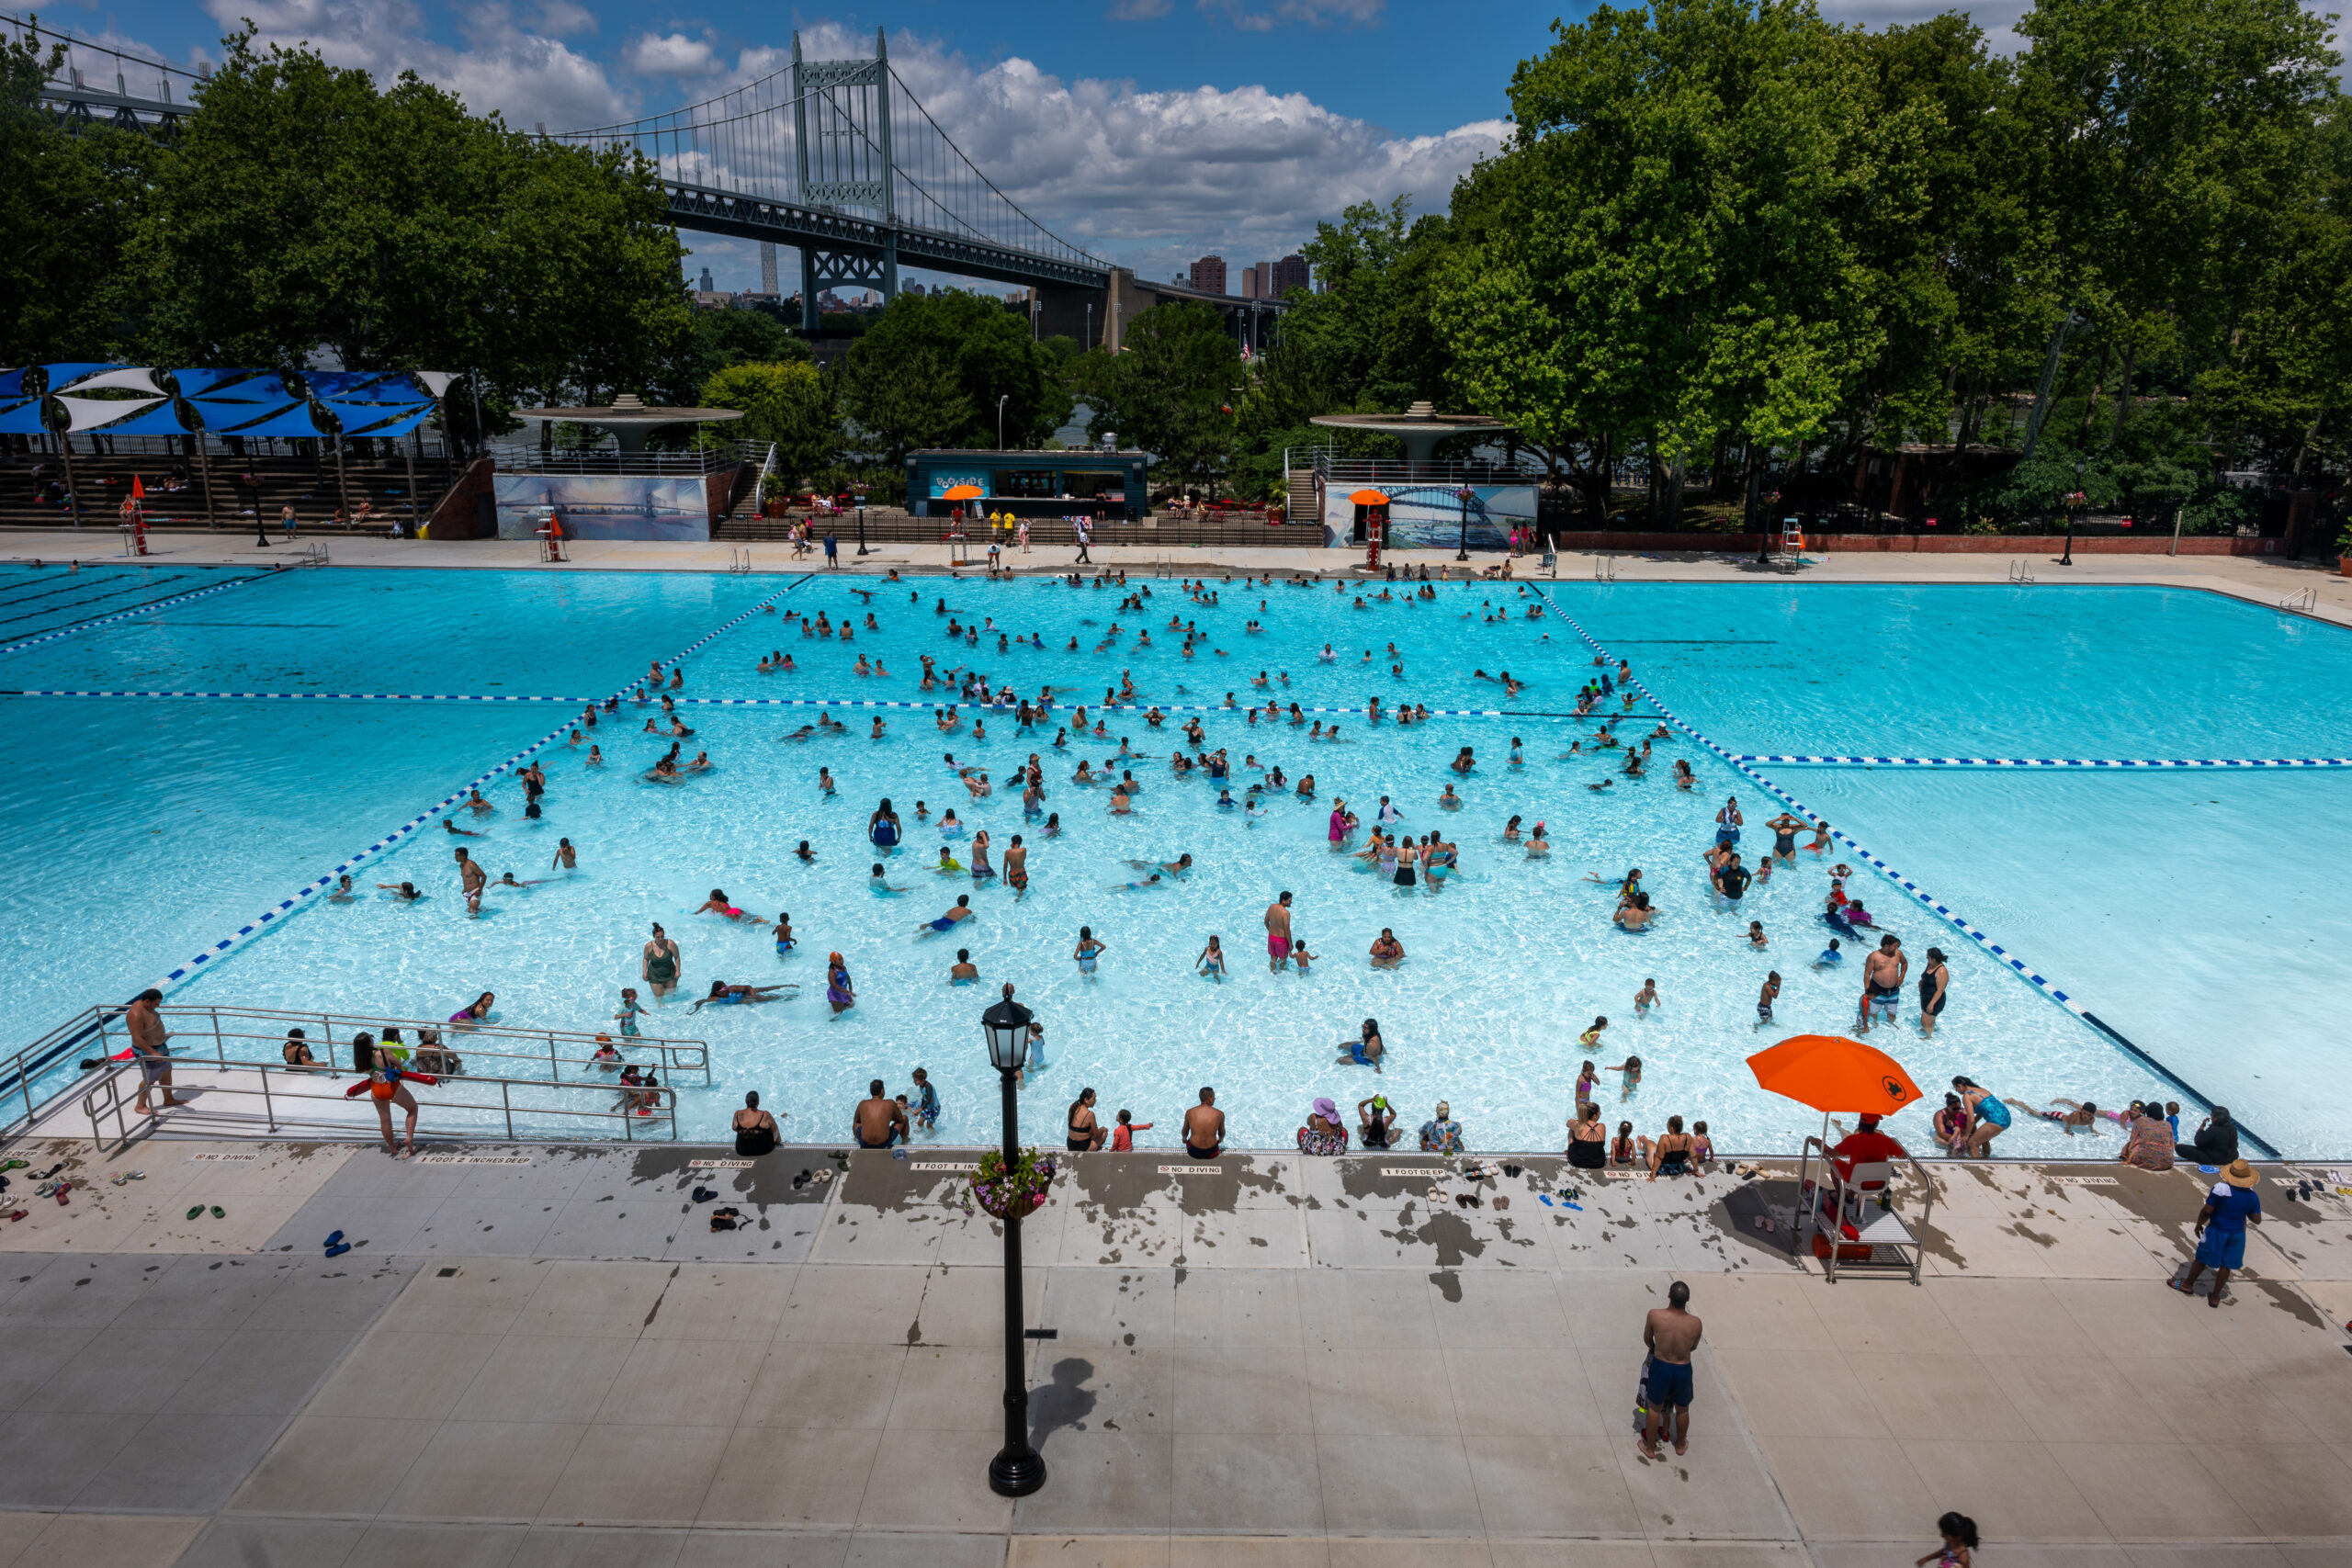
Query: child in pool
<point>1646,998</point>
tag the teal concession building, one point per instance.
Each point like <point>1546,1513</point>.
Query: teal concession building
<point>1074,483</point>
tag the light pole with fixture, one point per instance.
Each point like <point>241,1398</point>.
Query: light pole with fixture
<point>1001,398</point>
<point>1466,495</point>
<point>859,490</point>
<point>2073,502</point>
<point>1018,1468</point>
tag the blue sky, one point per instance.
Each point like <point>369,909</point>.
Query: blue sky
<point>1148,130</point>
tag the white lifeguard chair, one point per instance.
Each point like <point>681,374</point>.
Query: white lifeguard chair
<point>1789,554</point>
<point>1850,1221</point>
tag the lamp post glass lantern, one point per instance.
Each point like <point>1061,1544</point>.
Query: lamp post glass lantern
<point>1018,1468</point>
<point>859,490</point>
<point>2072,502</point>
<point>1461,548</point>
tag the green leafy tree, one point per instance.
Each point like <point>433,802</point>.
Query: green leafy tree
<point>302,207</point>
<point>69,202</point>
<point>1369,334</point>
<point>1172,388</point>
<point>929,370</point>
<point>788,404</point>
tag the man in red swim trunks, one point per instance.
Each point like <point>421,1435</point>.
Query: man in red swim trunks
<point>1278,934</point>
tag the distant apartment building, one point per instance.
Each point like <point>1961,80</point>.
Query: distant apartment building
<point>1208,274</point>
<point>1287,275</point>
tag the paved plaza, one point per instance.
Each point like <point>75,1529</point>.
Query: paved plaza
<point>544,1355</point>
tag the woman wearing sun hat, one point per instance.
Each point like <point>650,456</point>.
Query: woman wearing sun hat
<point>1324,1133</point>
<point>2221,1229</point>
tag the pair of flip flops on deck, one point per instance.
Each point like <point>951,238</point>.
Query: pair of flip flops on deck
<point>217,1212</point>
<point>337,1246</point>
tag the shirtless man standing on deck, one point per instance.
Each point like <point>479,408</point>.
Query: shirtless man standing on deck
<point>1672,1333</point>
<point>1277,933</point>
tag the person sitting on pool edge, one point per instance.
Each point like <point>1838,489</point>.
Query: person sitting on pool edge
<point>1442,1134</point>
<point>879,1121</point>
<point>756,1133</point>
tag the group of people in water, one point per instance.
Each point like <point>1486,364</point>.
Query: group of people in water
<point>1084,752</point>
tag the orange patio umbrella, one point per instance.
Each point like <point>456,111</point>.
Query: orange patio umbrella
<point>1369,497</point>
<point>1831,1073</point>
<point>962,492</point>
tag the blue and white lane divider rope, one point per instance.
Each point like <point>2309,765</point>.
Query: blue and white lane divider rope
<point>683,700</point>
<point>126,615</point>
<point>276,913</point>
<point>1926,899</point>
<point>306,696</point>
<point>2136,762</point>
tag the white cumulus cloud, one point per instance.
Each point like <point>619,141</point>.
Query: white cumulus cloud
<point>500,67</point>
<point>1144,177</point>
<point>671,54</point>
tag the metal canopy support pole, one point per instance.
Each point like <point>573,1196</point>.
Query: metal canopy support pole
<point>342,487</point>
<point>203,467</point>
<point>415,518</point>
<point>73,491</point>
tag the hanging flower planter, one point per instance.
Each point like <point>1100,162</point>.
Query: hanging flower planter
<point>1015,1191</point>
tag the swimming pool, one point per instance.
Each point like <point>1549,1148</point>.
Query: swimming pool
<point>1507,963</point>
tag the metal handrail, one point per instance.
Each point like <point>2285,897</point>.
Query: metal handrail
<point>103,1103</point>
<point>49,1069</point>
<point>459,1040</point>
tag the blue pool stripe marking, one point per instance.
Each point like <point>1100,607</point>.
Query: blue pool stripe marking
<point>2047,762</point>
<point>1956,921</point>
<point>276,913</point>
<point>126,615</point>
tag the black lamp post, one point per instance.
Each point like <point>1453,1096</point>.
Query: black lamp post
<point>1017,1470</point>
<point>2072,502</point>
<point>1461,548</point>
<point>860,491</point>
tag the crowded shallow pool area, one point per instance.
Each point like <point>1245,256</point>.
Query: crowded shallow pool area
<point>2181,906</point>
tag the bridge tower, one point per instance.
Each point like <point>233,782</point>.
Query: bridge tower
<point>844,160</point>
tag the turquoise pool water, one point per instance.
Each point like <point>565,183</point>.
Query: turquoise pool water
<point>181,818</point>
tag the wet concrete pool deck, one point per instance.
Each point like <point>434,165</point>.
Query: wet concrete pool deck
<point>544,1354</point>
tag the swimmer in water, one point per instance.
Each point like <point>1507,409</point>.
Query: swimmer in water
<point>449,824</point>
<point>1632,1067</point>
<point>882,884</point>
<point>1646,998</point>
<point>1386,951</point>
<point>724,995</point>
<point>716,904</point>
<point>1830,957</point>
<point>1090,950</point>
<point>402,892</point>
<point>1210,964</point>
<point>948,921</point>
<point>963,972</point>
<point>342,893</point>
<point>1448,800</point>
<point>1756,937</point>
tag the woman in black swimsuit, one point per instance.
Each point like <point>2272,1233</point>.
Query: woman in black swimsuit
<point>1083,1131</point>
<point>755,1129</point>
<point>1587,1139</point>
<point>1670,1156</point>
<point>1935,989</point>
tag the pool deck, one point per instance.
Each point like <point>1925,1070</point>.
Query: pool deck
<point>2258,579</point>
<point>542,1355</point>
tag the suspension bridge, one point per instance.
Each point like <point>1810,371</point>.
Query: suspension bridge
<point>836,159</point>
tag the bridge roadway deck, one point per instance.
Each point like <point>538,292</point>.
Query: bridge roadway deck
<point>543,1355</point>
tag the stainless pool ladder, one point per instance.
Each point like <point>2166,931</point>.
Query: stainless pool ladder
<point>2305,601</point>
<point>738,561</point>
<point>2021,573</point>
<point>315,554</point>
<point>1604,568</point>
